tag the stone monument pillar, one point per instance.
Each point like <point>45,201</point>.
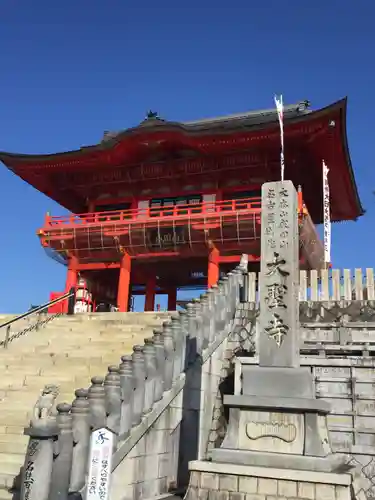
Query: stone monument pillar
<point>277,421</point>
<point>277,431</point>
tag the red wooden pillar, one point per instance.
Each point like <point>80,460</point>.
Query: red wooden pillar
<point>72,274</point>
<point>213,267</point>
<point>124,283</point>
<point>71,278</point>
<point>172,299</point>
<point>150,294</point>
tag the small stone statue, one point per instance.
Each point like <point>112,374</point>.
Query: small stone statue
<point>45,407</point>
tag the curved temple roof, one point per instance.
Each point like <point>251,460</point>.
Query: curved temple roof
<point>249,121</point>
<point>211,136</point>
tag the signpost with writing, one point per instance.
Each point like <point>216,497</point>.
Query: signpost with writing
<point>279,344</point>
<point>100,462</point>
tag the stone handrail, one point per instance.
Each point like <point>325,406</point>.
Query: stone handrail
<point>56,462</point>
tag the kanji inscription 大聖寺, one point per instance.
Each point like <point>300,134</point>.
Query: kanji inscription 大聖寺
<point>277,329</point>
<point>279,275</point>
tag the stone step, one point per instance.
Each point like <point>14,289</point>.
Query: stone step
<point>36,384</point>
<point>9,467</point>
<point>100,342</point>
<point>13,438</point>
<point>14,430</point>
<point>57,360</point>
<point>66,352</point>
<point>12,458</point>
<point>27,398</point>
<point>5,494</point>
<point>13,448</point>
<point>17,418</point>
<point>20,379</point>
<point>50,369</point>
<point>6,482</point>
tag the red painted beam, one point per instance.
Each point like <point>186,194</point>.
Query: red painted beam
<point>97,266</point>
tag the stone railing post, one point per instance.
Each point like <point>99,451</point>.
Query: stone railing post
<point>178,345</point>
<point>127,395</point>
<point>185,338</point>
<point>227,298</point>
<point>211,314</point>
<point>222,313</point>
<point>205,320</point>
<point>62,464</point>
<point>37,469</point>
<point>199,325</point>
<point>192,333</point>
<point>139,375</point>
<point>239,276</point>
<point>96,397</point>
<point>160,363</point>
<point>149,352</point>
<point>169,355</point>
<point>112,393</point>
<point>81,439</point>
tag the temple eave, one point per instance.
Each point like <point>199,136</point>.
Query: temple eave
<point>208,130</point>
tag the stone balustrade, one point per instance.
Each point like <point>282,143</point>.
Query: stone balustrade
<point>56,462</point>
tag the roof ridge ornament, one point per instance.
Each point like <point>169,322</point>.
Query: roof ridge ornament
<point>303,105</point>
<point>152,115</point>
<point>152,118</point>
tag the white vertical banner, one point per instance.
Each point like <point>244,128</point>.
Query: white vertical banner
<point>280,114</point>
<point>100,463</point>
<point>326,215</point>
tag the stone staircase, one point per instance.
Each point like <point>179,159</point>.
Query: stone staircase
<point>67,353</point>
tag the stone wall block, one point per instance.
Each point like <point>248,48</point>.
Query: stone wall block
<point>248,484</point>
<point>175,417</point>
<point>325,492</point>
<point>228,482</point>
<point>165,465</point>
<point>287,488</point>
<point>162,422</point>
<point>255,496</point>
<point>342,493</point>
<point>267,486</point>
<point>139,450</point>
<point>306,490</point>
<point>209,481</point>
<point>236,496</point>
<point>157,441</point>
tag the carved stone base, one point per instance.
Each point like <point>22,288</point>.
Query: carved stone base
<point>287,430</point>
<point>331,463</point>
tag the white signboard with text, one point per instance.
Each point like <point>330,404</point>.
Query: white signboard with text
<point>100,462</point>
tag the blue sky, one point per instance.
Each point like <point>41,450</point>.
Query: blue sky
<point>71,69</point>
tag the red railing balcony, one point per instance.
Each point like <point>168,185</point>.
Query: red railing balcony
<point>231,225</point>
<point>208,209</point>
